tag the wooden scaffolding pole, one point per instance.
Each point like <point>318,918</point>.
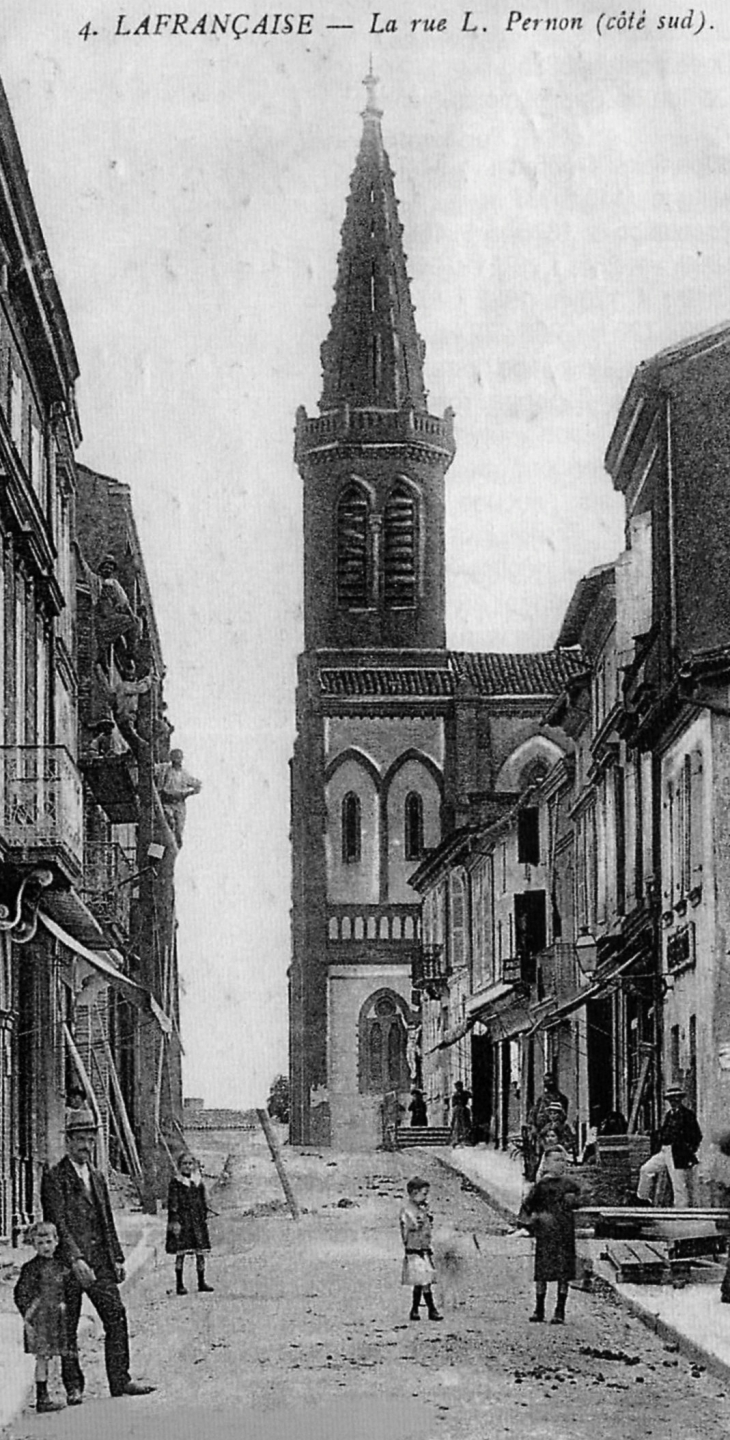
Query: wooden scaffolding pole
<point>273,1145</point>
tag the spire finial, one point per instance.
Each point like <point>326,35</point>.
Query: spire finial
<point>370,82</point>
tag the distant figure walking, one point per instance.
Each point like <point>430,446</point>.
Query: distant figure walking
<point>547,1212</point>
<point>460,1115</point>
<point>41,1295</point>
<point>417,1108</point>
<point>187,1221</point>
<point>416,1226</point>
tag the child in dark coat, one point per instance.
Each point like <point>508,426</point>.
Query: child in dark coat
<point>187,1221</point>
<point>548,1213</point>
<point>41,1295</point>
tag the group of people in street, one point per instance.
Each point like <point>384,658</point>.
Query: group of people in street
<point>78,1252</point>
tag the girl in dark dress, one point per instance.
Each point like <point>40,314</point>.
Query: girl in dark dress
<point>187,1221</point>
<point>41,1295</point>
<point>548,1213</point>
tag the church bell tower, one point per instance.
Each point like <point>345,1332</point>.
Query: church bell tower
<point>367,772</point>
<point>373,461</point>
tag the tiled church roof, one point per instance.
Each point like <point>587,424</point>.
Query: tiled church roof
<point>491,673</point>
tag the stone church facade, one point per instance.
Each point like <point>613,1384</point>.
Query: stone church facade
<point>398,738</point>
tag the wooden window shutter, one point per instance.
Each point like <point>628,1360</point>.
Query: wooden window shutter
<point>697,819</point>
<point>668,875</point>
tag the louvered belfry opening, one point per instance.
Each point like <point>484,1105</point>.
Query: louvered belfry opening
<point>400,551</point>
<point>352,549</point>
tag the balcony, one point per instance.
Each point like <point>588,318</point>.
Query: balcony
<point>106,887</point>
<point>353,426</point>
<point>113,780</point>
<point>42,807</point>
<point>373,924</point>
<point>430,971</point>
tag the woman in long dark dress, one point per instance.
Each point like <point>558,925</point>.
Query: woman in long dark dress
<point>417,1108</point>
<point>460,1115</point>
<point>187,1221</point>
<point>548,1213</point>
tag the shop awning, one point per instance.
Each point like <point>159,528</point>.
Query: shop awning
<point>455,1033</point>
<point>484,1000</point>
<point>596,991</point>
<point>102,962</point>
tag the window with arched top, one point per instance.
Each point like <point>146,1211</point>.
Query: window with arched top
<point>400,550</point>
<point>353,514</point>
<point>383,1045</point>
<point>413,826</point>
<point>351,829</point>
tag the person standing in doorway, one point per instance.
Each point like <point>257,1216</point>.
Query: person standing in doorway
<point>460,1115</point>
<point>680,1138</point>
<point>75,1199</point>
<point>418,1110</point>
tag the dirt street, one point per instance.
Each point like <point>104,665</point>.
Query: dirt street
<point>307,1334</point>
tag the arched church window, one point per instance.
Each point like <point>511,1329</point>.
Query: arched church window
<point>383,1046</point>
<point>353,513</point>
<point>413,826</point>
<point>400,550</point>
<point>351,829</point>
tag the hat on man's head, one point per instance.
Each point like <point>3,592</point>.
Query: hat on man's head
<point>675,1089</point>
<point>82,1118</point>
<point>108,559</point>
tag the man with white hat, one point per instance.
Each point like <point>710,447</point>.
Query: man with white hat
<point>680,1138</point>
<point>75,1197</point>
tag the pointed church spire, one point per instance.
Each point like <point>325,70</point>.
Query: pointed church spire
<point>373,356</point>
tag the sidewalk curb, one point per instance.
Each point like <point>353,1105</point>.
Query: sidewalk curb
<point>510,1216</point>
<point>666,1332</point>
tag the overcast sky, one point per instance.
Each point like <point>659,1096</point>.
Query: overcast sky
<point>566,203</point>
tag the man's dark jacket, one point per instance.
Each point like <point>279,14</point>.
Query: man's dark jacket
<point>681,1131</point>
<point>84,1221</point>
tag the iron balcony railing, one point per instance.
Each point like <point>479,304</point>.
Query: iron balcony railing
<point>106,887</point>
<point>429,970</point>
<point>42,803</point>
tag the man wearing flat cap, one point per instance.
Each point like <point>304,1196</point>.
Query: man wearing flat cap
<point>680,1138</point>
<point>75,1198</point>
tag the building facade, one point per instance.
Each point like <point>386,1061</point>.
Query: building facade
<point>88,967</point>
<point>619,985</point>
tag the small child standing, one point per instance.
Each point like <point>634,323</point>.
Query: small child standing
<point>187,1221</point>
<point>41,1297</point>
<point>418,1268</point>
<point>548,1213</point>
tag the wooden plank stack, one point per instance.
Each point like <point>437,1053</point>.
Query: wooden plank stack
<point>643,1262</point>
